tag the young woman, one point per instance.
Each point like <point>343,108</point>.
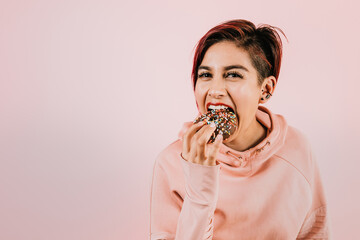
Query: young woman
<point>262,182</point>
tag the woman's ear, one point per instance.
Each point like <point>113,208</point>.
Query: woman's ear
<point>267,89</point>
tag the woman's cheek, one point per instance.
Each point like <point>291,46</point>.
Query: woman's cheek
<point>241,99</point>
<point>200,99</point>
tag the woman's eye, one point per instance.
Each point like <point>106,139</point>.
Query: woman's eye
<point>204,75</point>
<point>234,74</point>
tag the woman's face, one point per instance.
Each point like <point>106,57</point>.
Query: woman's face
<point>227,76</point>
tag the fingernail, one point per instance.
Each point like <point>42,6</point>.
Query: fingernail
<point>212,125</point>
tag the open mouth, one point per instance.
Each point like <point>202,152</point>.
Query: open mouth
<point>219,107</point>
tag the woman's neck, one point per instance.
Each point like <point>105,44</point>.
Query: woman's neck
<point>250,138</point>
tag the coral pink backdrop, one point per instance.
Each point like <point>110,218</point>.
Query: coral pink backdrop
<point>91,92</point>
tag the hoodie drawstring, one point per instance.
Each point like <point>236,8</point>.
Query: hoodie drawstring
<point>242,161</point>
<point>262,148</point>
<point>245,161</point>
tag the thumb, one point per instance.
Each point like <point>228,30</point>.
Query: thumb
<point>215,149</point>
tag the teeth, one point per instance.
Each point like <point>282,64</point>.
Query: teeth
<point>211,107</point>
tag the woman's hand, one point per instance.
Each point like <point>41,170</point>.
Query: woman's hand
<point>196,148</point>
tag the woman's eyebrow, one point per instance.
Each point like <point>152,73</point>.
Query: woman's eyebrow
<point>226,67</point>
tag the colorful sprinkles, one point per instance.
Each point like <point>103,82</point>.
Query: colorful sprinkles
<point>225,120</point>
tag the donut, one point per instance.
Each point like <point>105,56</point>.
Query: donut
<point>224,119</point>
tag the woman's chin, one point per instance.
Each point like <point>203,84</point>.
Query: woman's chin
<point>233,136</point>
<point>229,139</point>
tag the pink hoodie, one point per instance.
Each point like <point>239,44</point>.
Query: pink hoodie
<point>276,192</point>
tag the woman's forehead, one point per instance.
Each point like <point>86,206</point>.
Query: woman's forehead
<point>224,54</point>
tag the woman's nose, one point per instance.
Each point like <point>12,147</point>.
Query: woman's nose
<point>216,93</point>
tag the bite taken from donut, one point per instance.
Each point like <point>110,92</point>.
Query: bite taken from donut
<point>225,120</point>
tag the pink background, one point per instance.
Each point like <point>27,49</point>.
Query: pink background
<point>92,91</point>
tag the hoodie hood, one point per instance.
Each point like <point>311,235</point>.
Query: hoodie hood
<point>251,160</point>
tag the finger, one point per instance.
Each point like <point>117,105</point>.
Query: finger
<point>189,134</point>
<point>203,140</point>
<point>192,142</point>
<point>197,136</point>
<point>204,136</point>
<point>196,143</point>
<point>192,155</point>
<point>213,151</point>
<point>202,130</point>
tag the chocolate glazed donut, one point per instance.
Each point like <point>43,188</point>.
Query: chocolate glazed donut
<point>224,119</point>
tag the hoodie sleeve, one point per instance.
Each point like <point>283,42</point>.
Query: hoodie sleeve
<point>316,224</point>
<point>192,220</point>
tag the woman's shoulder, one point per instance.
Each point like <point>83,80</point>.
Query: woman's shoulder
<point>297,137</point>
<point>170,155</point>
<point>297,151</point>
